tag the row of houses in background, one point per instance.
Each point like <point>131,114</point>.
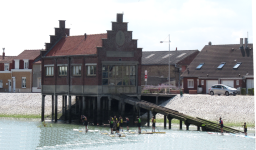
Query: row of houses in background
<point>88,63</point>
<point>20,73</point>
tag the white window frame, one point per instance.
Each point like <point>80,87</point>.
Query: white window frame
<point>191,80</point>
<point>49,71</point>
<point>8,66</point>
<point>237,82</point>
<point>76,70</point>
<point>202,82</point>
<point>17,63</point>
<point>63,70</point>
<point>23,82</point>
<point>26,63</point>
<point>93,72</point>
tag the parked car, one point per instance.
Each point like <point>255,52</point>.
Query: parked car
<point>222,89</point>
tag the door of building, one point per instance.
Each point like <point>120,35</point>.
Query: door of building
<point>10,85</point>
<point>228,82</point>
<point>209,84</point>
<point>13,83</point>
<point>249,84</point>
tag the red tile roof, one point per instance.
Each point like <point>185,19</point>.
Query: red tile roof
<point>28,54</point>
<point>7,59</point>
<point>77,45</point>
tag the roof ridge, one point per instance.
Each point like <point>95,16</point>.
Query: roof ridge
<point>171,51</point>
<point>87,34</point>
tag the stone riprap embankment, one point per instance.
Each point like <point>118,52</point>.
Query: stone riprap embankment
<point>26,103</point>
<point>233,109</point>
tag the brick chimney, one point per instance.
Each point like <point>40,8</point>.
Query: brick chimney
<point>3,53</point>
<point>119,18</point>
<point>176,48</point>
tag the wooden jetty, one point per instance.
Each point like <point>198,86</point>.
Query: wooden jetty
<point>172,114</point>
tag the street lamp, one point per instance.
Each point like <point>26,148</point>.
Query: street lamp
<point>169,60</point>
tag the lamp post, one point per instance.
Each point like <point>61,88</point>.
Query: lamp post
<point>169,61</point>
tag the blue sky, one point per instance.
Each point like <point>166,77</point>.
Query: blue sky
<point>190,23</point>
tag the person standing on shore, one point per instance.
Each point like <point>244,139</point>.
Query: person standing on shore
<point>127,123</point>
<point>153,124</point>
<point>221,126</point>
<point>139,124</point>
<point>121,123</point>
<point>245,129</point>
<point>111,122</point>
<point>85,122</point>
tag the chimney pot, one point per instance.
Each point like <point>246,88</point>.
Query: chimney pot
<point>241,42</point>
<point>176,48</point>
<point>85,36</point>
<point>245,42</point>
<point>210,43</point>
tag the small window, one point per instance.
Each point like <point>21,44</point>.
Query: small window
<point>1,83</point>
<point>199,66</point>
<point>76,70</point>
<point>237,82</point>
<point>202,82</point>
<point>190,83</point>
<point>91,70</point>
<point>23,82</point>
<point>6,67</point>
<point>150,55</point>
<point>25,65</point>
<point>49,71</point>
<point>237,65</point>
<point>63,70</point>
<point>221,65</point>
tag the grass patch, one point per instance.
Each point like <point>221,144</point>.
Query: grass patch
<point>20,116</point>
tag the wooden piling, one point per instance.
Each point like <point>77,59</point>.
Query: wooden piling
<point>52,107</point>
<point>164,121</point>
<point>43,104</point>
<point>56,107</point>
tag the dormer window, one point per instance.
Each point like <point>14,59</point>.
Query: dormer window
<point>237,65</point>
<point>199,66</point>
<point>26,63</point>
<point>221,65</point>
<point>6,67</point>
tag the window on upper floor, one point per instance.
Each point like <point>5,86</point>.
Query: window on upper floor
<point>49,71</point>
<point>199,66</point>
<point>237,65</point>
<point>63,70</point>
<point>6,67</point>
<point>76,70</point>
<point>221,65</point>
<point>23,82</point>
<point>17,64</point>
<point>26,64</point>
<point>91,70</point>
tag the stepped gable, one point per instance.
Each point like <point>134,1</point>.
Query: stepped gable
<point>78,45</point>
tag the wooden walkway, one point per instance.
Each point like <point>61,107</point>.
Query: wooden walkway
<point>173,114</point>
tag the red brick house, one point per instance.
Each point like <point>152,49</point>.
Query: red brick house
<point>91,66</point>
<point>230,64</point>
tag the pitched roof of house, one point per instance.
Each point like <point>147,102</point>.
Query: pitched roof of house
<point>161,57</point>
<point>7,59</point>
<point>28,54</point>
<point>213,55</point>
<point>77,45</point>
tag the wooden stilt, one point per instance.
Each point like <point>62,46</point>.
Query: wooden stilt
<point>43,104</point>
<point>56,108</point>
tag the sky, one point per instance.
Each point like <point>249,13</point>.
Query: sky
<point>191,24</point>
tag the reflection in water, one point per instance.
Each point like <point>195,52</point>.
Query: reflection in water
<point>18,134</point>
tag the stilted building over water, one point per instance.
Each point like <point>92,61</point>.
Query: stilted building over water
<point>91,67</point>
